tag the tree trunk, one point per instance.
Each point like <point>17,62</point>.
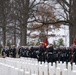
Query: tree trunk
<point>20,39</point>
<point>42,35</point>
<point>24,25</point>
<point>72,18</point>
<point>24,35</point>
<point>4,36</point>
<point>72,34</point>
<point>14,37</point>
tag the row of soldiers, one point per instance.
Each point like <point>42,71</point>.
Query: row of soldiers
<point>9,52</point>
<point>48,54</point>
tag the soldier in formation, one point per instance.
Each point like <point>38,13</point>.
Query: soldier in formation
<point>49,54</point>
<point>8,52</point>
<point>5,51</point>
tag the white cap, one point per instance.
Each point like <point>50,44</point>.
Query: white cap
<point>41,42</point>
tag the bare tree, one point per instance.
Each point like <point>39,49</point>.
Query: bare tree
<point>4,20</point>
<point>44,14</point>
<point>68,16</point>
<point>68,6</point>
<point>15,16</point>
<point>24,10</point>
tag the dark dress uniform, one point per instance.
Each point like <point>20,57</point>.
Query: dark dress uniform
<point>41,54</point>
<point>74,55</point>
<point>19,52</point>
<point>3,52</point>
<point>7,52</point>
<point>31,52</point>
<point>50,54</point>
<point>13,52</point>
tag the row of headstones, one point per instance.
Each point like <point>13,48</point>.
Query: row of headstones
<point>28,66</point>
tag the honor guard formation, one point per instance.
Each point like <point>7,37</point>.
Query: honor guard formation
<point>42,53</point>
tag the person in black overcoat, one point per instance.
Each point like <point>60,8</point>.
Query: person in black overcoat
<point>3,52</point>
<point>7,51</point>
<point>41,52</point>
<point>50,50</point>
<point>13,51</point>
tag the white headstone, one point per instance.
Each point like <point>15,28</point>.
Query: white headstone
<point>57,71</point>
<point>74,72</point>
